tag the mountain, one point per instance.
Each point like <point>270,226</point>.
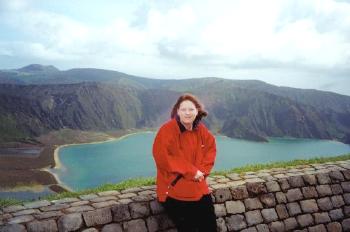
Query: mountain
<point>37,68</point>
<point>37,99</point>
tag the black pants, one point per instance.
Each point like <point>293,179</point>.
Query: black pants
<point>192,216</point>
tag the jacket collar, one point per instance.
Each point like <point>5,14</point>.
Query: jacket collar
<point>183,128</point>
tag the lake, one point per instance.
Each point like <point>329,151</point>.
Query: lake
<point>90,165</point>
<point>27,194</point>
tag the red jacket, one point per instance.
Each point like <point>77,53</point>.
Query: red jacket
<point>176,152</point>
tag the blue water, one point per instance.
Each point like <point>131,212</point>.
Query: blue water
<point>90,165</point>
<point>26,195</point>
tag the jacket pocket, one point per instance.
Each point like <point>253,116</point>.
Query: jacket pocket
<point>185,189</point>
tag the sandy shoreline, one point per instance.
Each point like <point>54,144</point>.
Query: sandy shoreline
<point>22,171</point>
<point>59,165</point>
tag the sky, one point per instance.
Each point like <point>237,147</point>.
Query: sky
<point>302,44</point>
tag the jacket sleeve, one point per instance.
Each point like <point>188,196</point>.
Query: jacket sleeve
<point>168,157</point>
<point>209,153</point>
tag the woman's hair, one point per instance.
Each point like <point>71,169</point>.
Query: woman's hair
<point>201,112</point>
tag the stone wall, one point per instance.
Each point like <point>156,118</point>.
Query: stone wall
<point>302,198</point>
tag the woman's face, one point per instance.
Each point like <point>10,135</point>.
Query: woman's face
<point>187,112</point>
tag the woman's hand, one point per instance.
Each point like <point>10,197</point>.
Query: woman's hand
<point>199,176</point>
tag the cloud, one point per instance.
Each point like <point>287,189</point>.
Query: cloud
<point>190,38</point>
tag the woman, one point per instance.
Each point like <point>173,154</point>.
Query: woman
<point>184,151</point>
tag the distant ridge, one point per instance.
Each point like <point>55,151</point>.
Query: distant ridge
<point>32,68</point>
<point>37,99</point>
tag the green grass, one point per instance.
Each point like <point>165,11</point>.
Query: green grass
<point>137,182</point>
<point>282,164</point>
<point>9,201</point>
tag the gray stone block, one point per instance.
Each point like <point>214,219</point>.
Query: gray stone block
<point>337,201</point>
<point>309,206</point>
<point>137,225</point>
<point>120,213</point>
<point>220,210</point>
<point>324,190</point>
<point>132,190</point>
<point>239,192</point>
<point>268,200</point>
<point>235,222</point>
<point>42,226</point>
<point>336,214</point>
<point>142,198</point>
<point>253,217</point>
<point>309,192</point>
<point>293,208</point>
<point>256,188</point>
<point>65,200</point>
<point>114,227</point>
<point>294,195</point>
<point>346,224</point>
<point>281,197</point>
<point>277,226</point>
<point>37,204</point>
<point>252,203</point>
<point>282,211</point>
<point>54,207</point>
<point>334,227</point>
<point>90,230</point>
<point>346,186</point>
<point>318,228</point>
<point>269,215</point>
<point>127,195</point>
<point>296,181</point>
<point>273,186</point>
<point>222,195</point>
<point>262,228</point>
<point>124,201</point>
<point>221,225</point>
<point>109,193</point>
<point>13,228</point>
<point>21,219</point>
<point>347,198</point>
<point>102,199</point>
<point>250,229</point>
<point>79,203</point>
<point>70,222</point>
<point>156,207</point>
<point>336,176</point>
<point>283,184</point>
<point>88,197</point>
<point>325,204</point>
<point>233,176</point>
<point>159,222</point>
<point>139,209</point>
<point>79,209</point>
<point>305,220</point>
<point>337,189</point>
<point>321,218</point>
<point>104,204</point>
<point>323,178</point>
<point>5,216</point>
<point>309,179</point>
<point>26,212</point>
<point>290,224</point>
<point>98,217</point>
<point>13,208</point>
<point>48,214</point>
<point>234,207</point>
<point>346,174</point>
<point>347,211</point>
